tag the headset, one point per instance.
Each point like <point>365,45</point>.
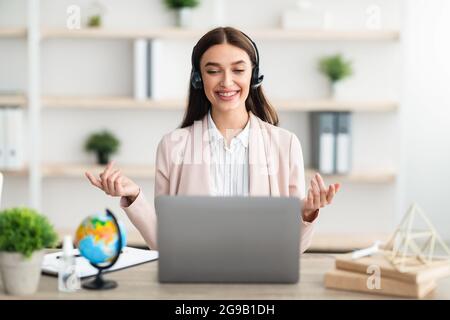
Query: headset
<point>196,79</point>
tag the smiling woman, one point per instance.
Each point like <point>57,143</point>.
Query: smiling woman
<point>225,62</point>
<point>228,143</point>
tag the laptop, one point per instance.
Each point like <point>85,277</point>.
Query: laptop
<point>228,239</point>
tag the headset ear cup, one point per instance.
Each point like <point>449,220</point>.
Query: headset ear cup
<point>196,80</point>
<point>256,78</point>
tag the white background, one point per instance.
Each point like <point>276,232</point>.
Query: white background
<point>415,71</point>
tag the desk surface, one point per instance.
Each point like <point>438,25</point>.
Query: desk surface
<point>140,282</point>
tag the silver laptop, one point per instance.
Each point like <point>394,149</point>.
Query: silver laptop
<point>228,239</point>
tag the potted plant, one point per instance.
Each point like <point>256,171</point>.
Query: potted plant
<point>104,144</point>
<point>335,68</point>
<point>95,21</point>
<point>183,10</point>
<point>24,234</point>
<point>95,13</point>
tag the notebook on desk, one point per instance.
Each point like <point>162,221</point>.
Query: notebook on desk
<point>129,257</point>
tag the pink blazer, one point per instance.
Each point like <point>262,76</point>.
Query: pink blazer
<point>276,168</point>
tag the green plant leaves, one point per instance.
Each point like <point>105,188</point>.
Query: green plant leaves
<point>104,142</point>
<point>24,230</point>
<point>335,67</point>
<point>178,4</point>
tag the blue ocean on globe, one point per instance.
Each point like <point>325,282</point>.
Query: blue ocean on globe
<point>97,238</point>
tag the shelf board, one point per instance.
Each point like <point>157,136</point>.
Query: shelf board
<point>13,100</point>
<point>15,173</point>
<point>326,35</point>
<point>260,34</point>
<point>78,170</point>
<point>110,103</point>
<point>13,32</point>
<point>148,172</point>
<point>369,176</point>
<point>179,104</point>
<point>335,105</point>
<point>100,33</point>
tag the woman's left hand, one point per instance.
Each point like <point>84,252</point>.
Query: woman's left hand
<point>318,196</point>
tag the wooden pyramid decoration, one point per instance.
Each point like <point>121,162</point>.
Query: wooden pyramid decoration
<point>403,249</point>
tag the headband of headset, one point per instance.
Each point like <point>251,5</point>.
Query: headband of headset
<point>256,80</point>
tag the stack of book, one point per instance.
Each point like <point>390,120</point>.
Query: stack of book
<point>375,274</point>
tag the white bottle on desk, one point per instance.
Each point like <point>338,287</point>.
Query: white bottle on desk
<point>68,278</point>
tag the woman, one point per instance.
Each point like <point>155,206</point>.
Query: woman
<point>228,143</point>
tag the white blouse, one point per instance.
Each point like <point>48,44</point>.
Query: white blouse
<point>229,166</point>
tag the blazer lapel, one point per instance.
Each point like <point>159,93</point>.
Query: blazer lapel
<point>195,176</point>
<point>258,172</point>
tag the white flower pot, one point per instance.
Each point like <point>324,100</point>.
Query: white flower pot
<point>20,275</point>
<point>337,90</point>
<point>184,17</point>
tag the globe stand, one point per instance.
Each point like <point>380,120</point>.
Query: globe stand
<point>99,283</point>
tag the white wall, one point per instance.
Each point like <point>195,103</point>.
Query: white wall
<point>425,113</point>
<point>87,67</point>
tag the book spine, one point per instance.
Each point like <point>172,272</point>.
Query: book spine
<point>350,281</point>
<point>352,267</point>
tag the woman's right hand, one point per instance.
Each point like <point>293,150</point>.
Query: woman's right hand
<point>114,183</point>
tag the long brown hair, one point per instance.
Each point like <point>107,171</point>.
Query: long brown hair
<point>198,103</point>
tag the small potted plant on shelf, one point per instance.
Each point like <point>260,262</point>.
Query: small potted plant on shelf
<point>335,68</point>
<point>24,234</point>
<point>95,13</point>
<point>104,144</point>
<point>183,10</point>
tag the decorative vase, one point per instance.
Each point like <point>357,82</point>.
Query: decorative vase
<point>184,17</point>
<point>341,90</point>
<point>332,90</point>
<point>102,157</point>
<point>21,275</point>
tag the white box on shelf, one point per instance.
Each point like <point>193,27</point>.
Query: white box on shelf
<point>306,16</point>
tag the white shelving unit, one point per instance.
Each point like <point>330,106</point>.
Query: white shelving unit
<point>282,105</point>
<point>257,34</point>
<point>34,102</point>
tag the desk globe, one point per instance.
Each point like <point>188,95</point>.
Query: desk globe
<point>100,239</point>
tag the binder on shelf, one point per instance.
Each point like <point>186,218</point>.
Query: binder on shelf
<point>14,138</point>
<point>154,67</point>
<point>323,144</point>
<point>343,143</point>
<point>140,69</point>
<point>149,75</point>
